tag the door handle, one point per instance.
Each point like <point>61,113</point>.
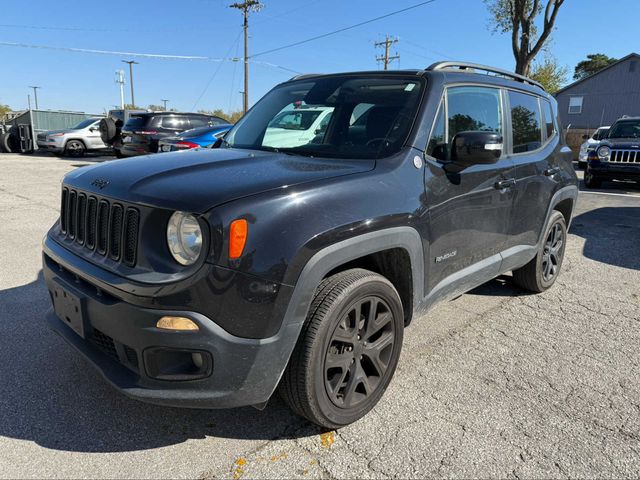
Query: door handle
<point>502,184</point>
<point>551,171</point>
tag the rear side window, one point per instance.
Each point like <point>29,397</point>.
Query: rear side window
<point>549,122</point>
<point>198,121</point>
<point>136,122</point>
<point>525,122</point>
<point>174,122</point>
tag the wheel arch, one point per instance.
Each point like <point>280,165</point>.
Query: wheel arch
<point>76,139</point>
<point>395,253</point>
<point>564,201</point>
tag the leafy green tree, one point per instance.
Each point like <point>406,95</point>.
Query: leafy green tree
<point>593,64</point>
<point>550,74</point>
<point>4,109</point>
<point>232,116</point>
<point>518,18</point>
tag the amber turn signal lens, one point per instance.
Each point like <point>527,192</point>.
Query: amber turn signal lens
<point>237,237</point>
<point>177,323</point>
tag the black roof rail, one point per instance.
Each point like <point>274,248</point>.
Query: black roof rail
<point>461,66</point>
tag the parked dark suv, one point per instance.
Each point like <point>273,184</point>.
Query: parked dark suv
<point>617,157</point>
<point>214,280</point>
<point>143,131</point>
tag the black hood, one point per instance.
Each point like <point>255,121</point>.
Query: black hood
<point>197,180</point>
<point>621,143</point>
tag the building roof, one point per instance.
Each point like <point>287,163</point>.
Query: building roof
<point>624,59</point>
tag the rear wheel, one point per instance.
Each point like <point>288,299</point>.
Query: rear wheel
<point>74,148</point>
<point>591,181</point>
<point>541,272</point>
<point>348,349</point>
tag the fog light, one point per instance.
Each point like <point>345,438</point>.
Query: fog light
<point>197,359</point>
<point>177,323</point>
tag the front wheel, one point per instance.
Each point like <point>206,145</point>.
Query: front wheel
<point>541,272</point>
<point>74,148</point>
<point>348,349</point>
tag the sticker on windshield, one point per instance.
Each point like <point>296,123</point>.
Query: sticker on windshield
<point>409,87</point>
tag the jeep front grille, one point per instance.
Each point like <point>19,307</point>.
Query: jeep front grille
<point>100,225</point>
<point>625,156</point>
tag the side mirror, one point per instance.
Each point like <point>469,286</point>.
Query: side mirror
<point>470,148</point>
<point>585,137</point>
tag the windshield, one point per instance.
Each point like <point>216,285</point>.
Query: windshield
<point>342,116</point>
<point>85,124</point>
<point>626,129</point>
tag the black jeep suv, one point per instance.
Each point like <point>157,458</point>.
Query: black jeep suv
<point>617,156</point>
<point>279,261</point>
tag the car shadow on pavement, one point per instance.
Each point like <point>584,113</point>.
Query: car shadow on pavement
<point>607,226</point>
<point>51,396</point>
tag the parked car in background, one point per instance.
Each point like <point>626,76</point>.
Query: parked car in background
<point>591,142</point>
<point>194,138</point>
<point>617,157</point>
<point>142,133</point>
<point>75,141</point>
<point>111,127</point>
<point>297,126</point>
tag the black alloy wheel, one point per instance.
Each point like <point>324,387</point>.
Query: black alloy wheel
<point>552,253</point>
<point>359,352</point>
<point>348,349</point>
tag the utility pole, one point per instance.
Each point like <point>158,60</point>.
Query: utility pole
<point>131,64</point>
<point>246,7</point>
<point>164,100</point>
<point>386,59</point>
<point>35,95</point>
<point>120,81</point>
<point>29,100</point>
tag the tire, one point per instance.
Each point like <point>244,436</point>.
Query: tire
<point>108,130</point>
<point>118,153</point>
<point>541,273</point>
<point>591,181</point>
<point>74,148</point>
<point>2,148</point>
<point>335,396</point>
<point>8,142</point>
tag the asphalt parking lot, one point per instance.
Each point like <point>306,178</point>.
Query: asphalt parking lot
<point>497,383</point>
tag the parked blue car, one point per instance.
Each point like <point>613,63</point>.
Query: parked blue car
<point>194,138</point>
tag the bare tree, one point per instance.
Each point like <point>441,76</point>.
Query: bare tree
<point>518,18</point>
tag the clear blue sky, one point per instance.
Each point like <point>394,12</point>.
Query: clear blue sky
<point>80,81</point>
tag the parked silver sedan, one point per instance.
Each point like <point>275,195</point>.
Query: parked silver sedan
<point>75,141</point>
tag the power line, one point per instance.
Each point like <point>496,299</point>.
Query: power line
<point>344,29</point>
<point>215,73</point>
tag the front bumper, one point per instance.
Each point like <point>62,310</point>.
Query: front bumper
<point>614,171</point>
<point>50,146</point>
<point>119,335</point>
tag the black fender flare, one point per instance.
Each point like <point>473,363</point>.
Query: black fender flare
<point>568,192</point>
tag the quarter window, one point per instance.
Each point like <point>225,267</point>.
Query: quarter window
<point>575,104</point>
<point>550,125</point>
<point>525,122</point>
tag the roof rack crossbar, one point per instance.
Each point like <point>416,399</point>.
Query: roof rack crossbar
<point>485,68</point>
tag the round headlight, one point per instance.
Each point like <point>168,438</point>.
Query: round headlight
<point>604,152</point>
<point>184,237</point>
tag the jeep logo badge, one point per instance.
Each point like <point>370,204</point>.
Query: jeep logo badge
<point>100,183</point>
